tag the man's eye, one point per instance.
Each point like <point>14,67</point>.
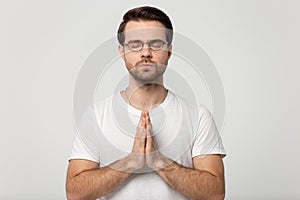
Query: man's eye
<point>156,43</point>
<point>135,44</point>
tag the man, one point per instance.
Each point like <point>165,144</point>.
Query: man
<point>175,151</point>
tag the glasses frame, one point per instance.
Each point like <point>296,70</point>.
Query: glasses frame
<point>143,43</point>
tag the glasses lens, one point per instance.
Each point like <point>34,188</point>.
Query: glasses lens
<point>156,45</point>
<point>135,45</point>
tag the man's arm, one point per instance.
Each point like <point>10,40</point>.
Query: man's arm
<point>85,180</point>
<point>206,181</point>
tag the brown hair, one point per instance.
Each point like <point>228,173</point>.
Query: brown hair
<point>146,13</point>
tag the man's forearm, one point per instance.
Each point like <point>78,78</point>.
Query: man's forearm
<point>96,183</point>
<point>193,183</point>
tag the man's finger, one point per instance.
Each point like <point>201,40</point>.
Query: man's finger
<point>147,117</point>
<point>149,128</point>
<point>140,124</point>
<point>150,143</point>
<point>141,134</point>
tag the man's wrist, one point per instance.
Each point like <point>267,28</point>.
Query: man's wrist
<point>161,163</point>
<point>125,165</point>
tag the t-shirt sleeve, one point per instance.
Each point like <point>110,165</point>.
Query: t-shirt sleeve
<point>79,151</point>
<point>86,141</point>
<point>207,138</point>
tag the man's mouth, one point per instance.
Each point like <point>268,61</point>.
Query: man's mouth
<point>146,65</point>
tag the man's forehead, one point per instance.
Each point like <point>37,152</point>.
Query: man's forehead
<point>148,33</point>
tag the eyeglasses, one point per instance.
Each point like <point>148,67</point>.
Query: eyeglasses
<point>137,45</point>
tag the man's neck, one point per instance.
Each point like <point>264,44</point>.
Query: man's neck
<point>145,97</point>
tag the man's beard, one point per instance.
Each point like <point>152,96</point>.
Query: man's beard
<point>149,74</point>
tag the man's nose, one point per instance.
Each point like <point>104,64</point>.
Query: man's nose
<point>146,51</point>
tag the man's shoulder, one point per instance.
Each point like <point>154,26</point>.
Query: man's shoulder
<point>192,104</point>
<point>103,102</point>
<point>109,104</point>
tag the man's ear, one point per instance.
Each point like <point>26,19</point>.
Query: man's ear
<point>169,51</point>
<point>121,51</point>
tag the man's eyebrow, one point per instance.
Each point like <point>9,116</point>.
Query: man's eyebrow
<point>135,41</point>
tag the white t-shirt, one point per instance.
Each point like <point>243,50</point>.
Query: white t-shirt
<point>181,131</point>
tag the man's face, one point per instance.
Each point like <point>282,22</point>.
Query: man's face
<point>146,65</point>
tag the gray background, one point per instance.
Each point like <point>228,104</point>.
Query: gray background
<point>254,45</point>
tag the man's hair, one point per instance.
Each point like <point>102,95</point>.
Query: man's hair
<point>146,13</point>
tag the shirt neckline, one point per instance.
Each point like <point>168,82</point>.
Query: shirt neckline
<point>138,112</point>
